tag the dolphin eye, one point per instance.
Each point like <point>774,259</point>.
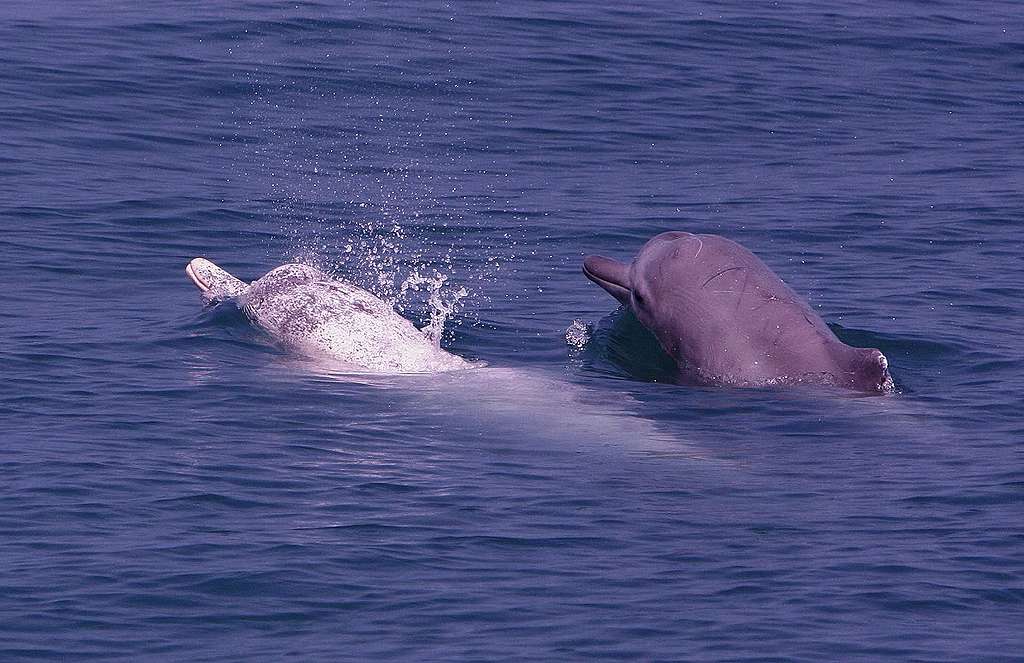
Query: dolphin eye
<point>638,299</point>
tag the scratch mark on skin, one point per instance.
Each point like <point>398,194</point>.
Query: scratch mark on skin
<point>770,298</point>
<point>727,269</point>
<point>699,247</point>
<point>746,280</point>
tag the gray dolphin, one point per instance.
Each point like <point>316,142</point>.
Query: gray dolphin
<point>315,314</point>
<point>727,319</point>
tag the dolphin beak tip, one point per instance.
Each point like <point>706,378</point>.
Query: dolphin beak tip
<point>611,275</point>
<point>193,268</point>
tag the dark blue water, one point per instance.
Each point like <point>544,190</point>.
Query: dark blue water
<point>177,487</point>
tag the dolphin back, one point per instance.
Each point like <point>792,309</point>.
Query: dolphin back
<point>317,315</point>
<point>214,283</point>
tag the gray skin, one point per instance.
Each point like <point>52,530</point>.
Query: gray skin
<point>727,319</point>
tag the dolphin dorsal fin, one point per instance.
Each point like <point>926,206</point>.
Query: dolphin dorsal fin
<point>213,282</point>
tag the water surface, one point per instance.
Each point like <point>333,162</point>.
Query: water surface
<point>176,487</point>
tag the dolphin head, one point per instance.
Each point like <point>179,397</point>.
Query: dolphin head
<point>214,283</point>
<point>653,275</point>
<point>662,288</point>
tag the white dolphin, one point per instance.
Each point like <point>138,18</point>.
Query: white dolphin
<point>315,314</point>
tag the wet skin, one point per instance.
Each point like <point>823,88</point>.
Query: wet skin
<point>728,319</point>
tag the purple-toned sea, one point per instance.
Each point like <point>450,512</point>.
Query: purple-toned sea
<point>177,487</point>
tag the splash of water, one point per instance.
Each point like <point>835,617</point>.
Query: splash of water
<point>443,302</point>
<point>578,334</point>
<point>369,186</point>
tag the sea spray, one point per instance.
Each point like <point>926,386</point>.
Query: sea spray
<point>442,302</point>
<point>369,187</point>
<point>578,334</point>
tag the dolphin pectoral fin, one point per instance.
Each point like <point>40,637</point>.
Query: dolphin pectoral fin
<point>611,275</point>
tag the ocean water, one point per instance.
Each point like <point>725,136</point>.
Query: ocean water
<point>177,487</point>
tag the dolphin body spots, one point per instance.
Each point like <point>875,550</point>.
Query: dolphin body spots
<point>727,319</point>
<point>312,313</point>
